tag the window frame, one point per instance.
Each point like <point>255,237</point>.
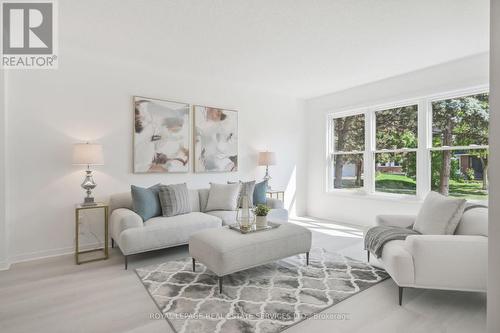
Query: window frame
<point>331,150</point>
<point>430,148</point>
<point>424,147</point>
<point>375,151</point>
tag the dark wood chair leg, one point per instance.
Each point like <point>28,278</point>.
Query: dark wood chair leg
<point>126,262</point>
<point>307,258</point>
<point>220,284</point>
<point>194,265</point>
<point>112,243</point>
<point>368,255</point>
<point>400,295</point>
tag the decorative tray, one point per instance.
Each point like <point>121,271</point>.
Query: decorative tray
<point>254,227</point>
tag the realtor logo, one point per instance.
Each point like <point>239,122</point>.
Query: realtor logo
<point>28,35</point>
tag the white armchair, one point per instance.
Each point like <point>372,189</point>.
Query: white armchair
<point>449,262</point>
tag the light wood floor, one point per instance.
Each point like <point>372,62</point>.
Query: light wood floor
<point>55,295</point>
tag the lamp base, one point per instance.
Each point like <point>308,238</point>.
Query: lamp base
<point>267,178</point>
<point>88,185</point>
<point>89,201</point>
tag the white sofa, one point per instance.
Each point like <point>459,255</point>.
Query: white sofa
<point>133,235</point>
<point>449,262</point>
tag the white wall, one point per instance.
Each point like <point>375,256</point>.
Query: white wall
<point>3,221</point>
<point>89,98</point>
<point>357,209</point>
<point>494,174</point>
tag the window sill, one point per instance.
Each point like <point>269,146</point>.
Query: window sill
<point>380,196</point>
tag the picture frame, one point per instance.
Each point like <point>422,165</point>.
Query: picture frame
<point>215,137</point>
<point>161,136</point>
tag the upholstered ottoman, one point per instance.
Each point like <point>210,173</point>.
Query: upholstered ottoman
<point>225,251</point>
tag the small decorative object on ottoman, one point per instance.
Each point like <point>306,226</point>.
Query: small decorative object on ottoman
<point>261,212</point>
<point>244,217</point>
<point>225,251</point>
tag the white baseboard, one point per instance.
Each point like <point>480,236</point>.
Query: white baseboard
<point>49,253</point>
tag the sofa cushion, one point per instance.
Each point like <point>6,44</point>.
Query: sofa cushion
<point>278,215</point>
<point>203,194</point>
<point>260,193</point>
<point>439,215</point>
<point>474,222</point>
<point>124,200</point>
<point>161,232</point>
<point>223,197</point>
<point>246,189</point>
<point>193,217</point>
<point>227,216</point>
<point>145,201</point>
<point>194,198</point>
<point>174,199</point>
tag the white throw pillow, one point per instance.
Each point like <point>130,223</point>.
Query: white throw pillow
<point>223,197</point>
<point>439,215</point>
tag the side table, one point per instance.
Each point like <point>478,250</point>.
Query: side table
<point>78,209</point>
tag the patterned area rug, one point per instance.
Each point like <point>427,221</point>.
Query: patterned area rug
<point>266,299</point>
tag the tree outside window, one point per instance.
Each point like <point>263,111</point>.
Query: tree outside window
<point>456,154</point>
<point>396,135</point>
<point>459,154</point>
<point>349,145</point>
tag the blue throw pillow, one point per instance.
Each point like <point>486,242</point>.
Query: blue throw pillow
<point>146,202</point>
<point>259,193</point>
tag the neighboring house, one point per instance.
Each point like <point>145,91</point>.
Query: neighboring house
<point>349,170</point>
<point>466,161</point>
<point>389,167</point>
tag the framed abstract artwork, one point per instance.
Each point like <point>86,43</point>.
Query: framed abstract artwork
<point>161,136</point>
<point>215,139</point>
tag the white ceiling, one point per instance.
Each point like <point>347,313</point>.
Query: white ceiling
<point>299,48</point>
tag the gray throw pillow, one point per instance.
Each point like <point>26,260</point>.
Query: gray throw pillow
<point>223,197</point>
<point>145,201</point>
<point>174,199</point>
<point>439,215</point>
<point>246,189</point>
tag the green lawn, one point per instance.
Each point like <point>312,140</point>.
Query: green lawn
<point>391,183</point>
<point>401,184</point>
<point>469,190</point>
<point>385,182</point>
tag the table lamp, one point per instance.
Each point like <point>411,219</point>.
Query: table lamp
<point>88,154</point>
<point>267,158</point>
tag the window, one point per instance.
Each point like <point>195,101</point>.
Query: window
<point>411,148</point>
<point>347,155</point>
<point>396,137</point>
<point>459,153</point>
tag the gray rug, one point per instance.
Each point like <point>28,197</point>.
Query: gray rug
<point>269,298</point>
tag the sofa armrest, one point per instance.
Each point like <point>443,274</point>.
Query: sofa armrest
<point>122,219</point>
<point>274,203</point>
<point>402,221</point>
<point>449,261</point>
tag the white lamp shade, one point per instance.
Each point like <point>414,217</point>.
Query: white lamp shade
<point>87,154</point>
<point>267,158</point>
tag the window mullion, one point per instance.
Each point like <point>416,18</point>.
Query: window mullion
<point>329,156</point>
<point>369,159</point>
<point>423,152</point>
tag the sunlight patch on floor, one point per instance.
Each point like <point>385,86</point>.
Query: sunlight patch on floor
<point>328,228</point>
